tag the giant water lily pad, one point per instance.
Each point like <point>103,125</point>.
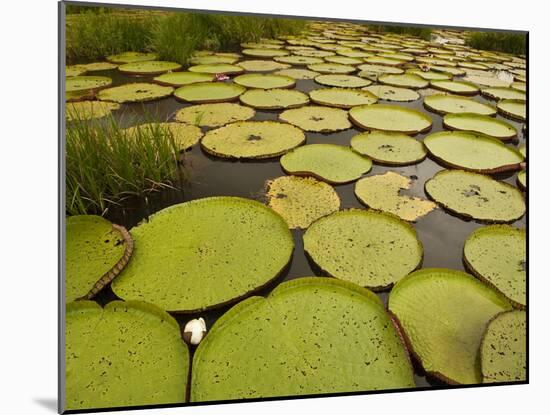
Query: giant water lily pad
<point>74,70</point>
<point>406,80</point>
<point>88,110</point>
<point>453,104</point>
<point>183,78</point>
<point>224,68</point>
<point>262,65</point>
<point>443,314</point>
<point>213,59</point>
<point>368,248</point>
<point>346,60</point>
<point>261,81</point>
<point>498,255</point>
<point>396,149</point>
<point>392,118</point>
<point>329,162</point>
<point>499,93</point>
<point>393,93</point>
<point>503,351</point>
<point>487,80</point>
<point>185,136</point>
<point>98,66</point>
<point>274,346</point>
<point>298,73</point>
<point>97,251</point>
<point>149,67</point>
<point>471,151</point>
<point>298,60</point>
<point>382,192</point>
<point>86,83</point>
<point>478,123</point>
<point>135,92</point>
<point>476,196</point>
<point>342,97</point>
<point>332,68</point>
<point>513,108</point>
<point>274,99</point>
<point>522,179</point>
<point>301,200</point>
<point>252,139</point>
<point>342,81</point>
<point>130,57</point>
<point>265,53</point>
<point>455,87</point>
<point>209,92</point>
<point>214,115</point>
<point>368,70</point>
<point>381,60</point>
<point>317,119</point>
<point>431,75</point>
<point>126,354</point>
<point>204,253</point>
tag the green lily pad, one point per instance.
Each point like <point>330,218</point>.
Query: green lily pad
<point>473,65</point>
<point>456,87</point>
<point>131,57</point>
<point>301,200</point>
<point>480,124</point>
<point>368,248</point>
<point>503,351</point>
<point>98,66</point>
<point>261,81</point>
<point>381,60</point>
<point>185,136</point>
<point>88,110</point>
<point>135,92</point>
<point>317,119</point>
<point>274,99</point>
<point>224,68</point>
<point>393,93</point>
<point>497,254</point>
<point>205,253</point>
<point>314,53</point>
<point>97,251</point>
<point>453,104</point>
<point>262,65</point>
<point>332,68</point>
<point>209,92</point>
<point>431,75</point>
<point>74,70</point>
<point>520,86</point>
<point>394,149</point>
<point>486,80</point>
<point>126,343</point>
<point>86,83</point>
<point>406,80</point>
<point>342,97</point>
<point>298,60</point>
<point>513,108</point>
<point>391,118</point>
<point>259,45</point>
<point>342,81</point>
<point>329,162</point>
<point>383,192</point>
<point>368,70</point>
<point>522,179</point>
<point>182,78</point>
<point>295,350</point>
<point>345,60</point>
<point>523,150</point>
<point>265,53</point>
<point>298,73</point>
<point>443,314</point>
<point>213,59</point>
<point>252,139</point>
<point>498,93</point>
<point>149,67</point>
<point>476,196</point>
<point>214,115</point>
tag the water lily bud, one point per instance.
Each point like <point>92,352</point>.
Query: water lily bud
<point>194,331</point>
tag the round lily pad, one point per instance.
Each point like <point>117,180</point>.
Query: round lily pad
<point>443,314</point>
<point>456,87</point>
<point>252,139</point>
<point>406,80</point>
<point>301,200</point>
<point>329,162</point>
<point>126,343</point>
<point>520,86</point>
<point>317,119</point>
<point>130,57</point>
<point>209,92</point>
<point>214,115</point>
<point>265,53</point>
<point>522,179</point>
<point>498,93</point>
<point>383,192</point>
<point>476,196</point>
<point>332,68</point>
<point>261,81</point>
<point>345,60</point>
<point>342,97</point>
<point>368,248</point>
<point>342,81</point>
<point>149,67</point>
<point>485,80</point>
<point>298,60</point>
<point>262,65</point>
<point>295,350</point>
<point>274,99</point>
<point>314,53</point>
<point>497,254</point>
<point>394,149</point>
<point>483,124</point>
<point>135,92</point>
<point>182,78</point>
<point>88,110</point>
<point>213,59</point>
<point>205,253</point>
<point>369,69</point>
<point>86,83</point>
<point>431,75</point>
<point>74,70</point>
<point>185,136</point>
<point>393,93</point>
<point>503,351</point>
<point>98,66</point>
<point>224,68</point>
<point>392,118</point>
<point>513,108</point>
<point>381,60</point>
<point>298,73</point>
<point>452,104</point>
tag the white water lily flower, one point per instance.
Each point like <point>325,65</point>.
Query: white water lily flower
<point>194,331</point>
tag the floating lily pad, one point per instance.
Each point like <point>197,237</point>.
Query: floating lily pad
<point>209,92</point>
<point>213,59</point>
<point>513,108</point>
<point>453,104</point>
<point>298,60</point>
<point>86,83</point>
<point>329,162</point>
<point>185,136</point>
<point>456,87</point>
<point>499,93</point>
<point>473,65</point>
<point>214,115</point>
<point>130,57</point>
<point>523,150</point>
<point>149,67</point>
<point>443,314</point>
<point>314,53</point>
<point>98,370</point>
<point>261,81</point>
<point>136,92</point>
<point>431,75</point>
<point>262,65</point>
<point>295,350</point>
<point>301,200</point>
<point>74,70</point>
<point>395,149</point>
<point>224,68</point>
<point>98,66</point>
<point>182,78</point>
<point>88,110</point>
<point>274,99</point>
<point>369,69</point>
<point>342,97</point>
<point>520,86</point>
<point>393,93</point>
<point>342,81</point>
<point>483,124</point>
<point>205,253</point>
<point>317,119</point>
<point>522,179</point>
<point>265,53</point>
<point>503,351</point>
<point>368,248</point>
<point>252,139</point>
<point>476,196</point>
<point>332,68</point>
<point>486,80</point>
<point>383,192</point>
<point>298,73</point>
<point>346,60</point>
<point>391,118</point>
<point>380,60</point>
<point>497,254</point>
<point>406,80</point>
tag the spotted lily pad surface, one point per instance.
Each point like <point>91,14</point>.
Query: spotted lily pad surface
<point>443,314</point>
<point>513,108</point>
<point>273,99</point>
<point>329,162</point>
<point>86,83</point>
<point>503,351</point>
<point>125,343</point>
<point>298,73</point>
<point>452,104</point>
<point>214,115</point>
<point>185,136</point>
<point>252,139</point>
<point>498,255</point>
<point>342,97</point>
<point>476,196</point>
<point>204,253</point>
<point>209,92</point>
<point>499,93</point>
<point>88,110</point>
<point>298,60</point>
<point>131,57</point>
<point>368,248</point>
<point>262,65</point>
<point>261,81</point>
<point>183,78</point>
<point>396,149</point>
<point>136,92</point>
<point>393,93</point>
<point>317,119</point>
<point>342,81</point>
<point>393,118</point>
<point>478,123</point>
<point>74,70</point>
<point>301,200</point>
<point>149,67</point>
<point>406,80</point>
<point>332,68</point>
<point>293,350</point>
<point>224,68</point>
<point>455,87</point>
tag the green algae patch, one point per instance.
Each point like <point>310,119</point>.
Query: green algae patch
<point>185,136</point>
<point>406,80</point>
<point>368,248</point>
<point>217,68</point>
<point>298,60</point>
<point>342,97</point>
<point>328,162</point>
<point>331,68</point>
<point>214,115</point>
<point>297,73</point>
<point>274,99</point>
<point>453,104</point>
<point>515,109</point>
<point>261,81</point>
<point>98,66</point>
<point>295,350</point>
<point>252,139</point>
<point>455,87</point>
<point>497,254</point>
<point>125,343</point>
<point>131,57</point>
<point>182,78</point>
<point>443,314</point>
<point>391,118</point>
<point>209,92</point>
<point>183,262</point>
<point>262,65</point>
<point>393,93</point>
<point>149,68</point>
<point>342,81</point>
<point>317,119</point>
<point>86,83</point>
<point>301,200</point>
<point>135,92</point>
<point>265,53</point>
<point>88,110</point>
<point>499,93</point>
<point>482,124</point>
<point>394,149</point>
<point>476,196</point>
<point>503,351</point>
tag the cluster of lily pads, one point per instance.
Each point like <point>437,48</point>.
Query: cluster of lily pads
<point>311,335</point>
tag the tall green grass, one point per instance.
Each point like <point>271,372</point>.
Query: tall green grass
<point>514,43</point>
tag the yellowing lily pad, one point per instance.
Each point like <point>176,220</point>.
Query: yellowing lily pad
<point>274,99</point>
<point>298,60</point>
<point>453,104</point>
<point>209,92</point>
<point>262,65</point>
<point>455,87</point>
<point>298,73</point>
<point>86,83</point>
<point>393,93</point>
<point>130,57</point>
<point>332,68</point>
<point>136,92</point>
<point>515,109</point>
<point>342,81</point>
<point>214,115</point>
<point>149,67</point>
<point>406,80</point>
<point>480,124</point>
<point>261,81</point>
<point>498,93</point>
<point>182,78</point>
